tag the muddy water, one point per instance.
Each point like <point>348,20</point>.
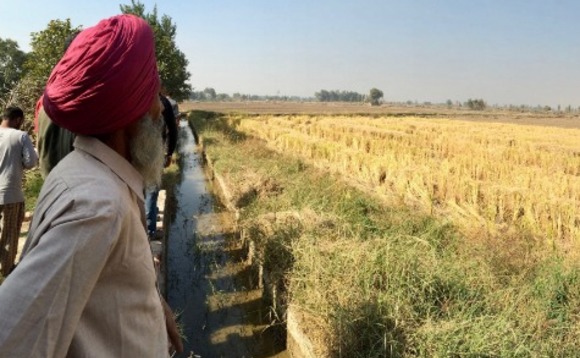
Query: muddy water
<point>221,313</point>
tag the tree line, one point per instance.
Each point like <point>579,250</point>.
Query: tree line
<point>339,96</point>
<point>209,94</point>
<point>23,75</point>
<point>476,104</point>
<point>374,96</point>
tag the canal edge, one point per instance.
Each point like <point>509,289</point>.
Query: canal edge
<point>298,344</point>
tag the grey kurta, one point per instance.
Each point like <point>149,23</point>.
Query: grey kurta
<point>85,285</point>
<point>16,154</point>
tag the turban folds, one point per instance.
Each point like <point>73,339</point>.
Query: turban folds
<point>106,80</point>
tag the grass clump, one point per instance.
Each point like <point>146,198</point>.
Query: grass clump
<point>32,184</point>
<point>377,281</point>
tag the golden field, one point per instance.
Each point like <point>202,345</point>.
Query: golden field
<point>487,172</point>
<point>471,255</point>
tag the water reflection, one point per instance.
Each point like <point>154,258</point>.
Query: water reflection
<point>221,313</point>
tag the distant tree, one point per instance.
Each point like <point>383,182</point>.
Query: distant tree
<point>171,62</point>
<point>210,93</point>
<point>476,104</point>
<point>322,96</point>
<point>223,97</point>
<point>449,103</point>
<point>198,96</point>
<point>375,96</point>
<point>338,96</point>
<point>350,96</point>
<point>47,48</point>
<point>11,68</point>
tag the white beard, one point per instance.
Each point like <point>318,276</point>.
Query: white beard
<point>147,152</point>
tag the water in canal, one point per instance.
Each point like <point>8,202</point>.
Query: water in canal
<point>206,282</point>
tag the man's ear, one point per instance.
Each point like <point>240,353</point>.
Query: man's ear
<point>156,109</point>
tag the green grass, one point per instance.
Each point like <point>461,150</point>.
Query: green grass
<point>379,281</point>
<point>32,184</point>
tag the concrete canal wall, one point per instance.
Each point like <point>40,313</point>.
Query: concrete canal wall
<point>298,343</point>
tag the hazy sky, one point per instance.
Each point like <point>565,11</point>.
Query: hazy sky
<point>504,51</point>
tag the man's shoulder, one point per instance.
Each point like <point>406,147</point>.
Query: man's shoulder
<point>23,134</point>
<point>13,133</point>
<point>10,130</point>
<point>91,188</point>
<point>82,170</point>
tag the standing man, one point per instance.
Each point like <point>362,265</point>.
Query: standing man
<point>85,285</point>
<point>173,103</point>
<point>53,143</point>
<point>16,154</point>
<point>169,135</point>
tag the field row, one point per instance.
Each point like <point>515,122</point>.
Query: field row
<point>480,175</point>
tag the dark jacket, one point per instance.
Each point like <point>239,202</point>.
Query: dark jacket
<point>170,132</point>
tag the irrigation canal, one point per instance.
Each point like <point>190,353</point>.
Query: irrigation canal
<point>207,284</point>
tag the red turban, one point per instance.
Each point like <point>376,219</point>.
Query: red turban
<point>106,80</point>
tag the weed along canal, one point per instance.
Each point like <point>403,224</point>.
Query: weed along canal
<point>207,283</point>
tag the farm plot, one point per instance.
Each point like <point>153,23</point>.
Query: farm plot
<point>365,279</point>
<point>488,178</point>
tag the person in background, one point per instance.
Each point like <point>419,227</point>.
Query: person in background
<point>53,142</point>
<point>16,154</point>
<point>86,283</point>
<point>173,103</point>
<point>169,135</point>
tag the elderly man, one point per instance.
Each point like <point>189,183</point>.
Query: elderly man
<point>16,154</point>
<point>85,285</point>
